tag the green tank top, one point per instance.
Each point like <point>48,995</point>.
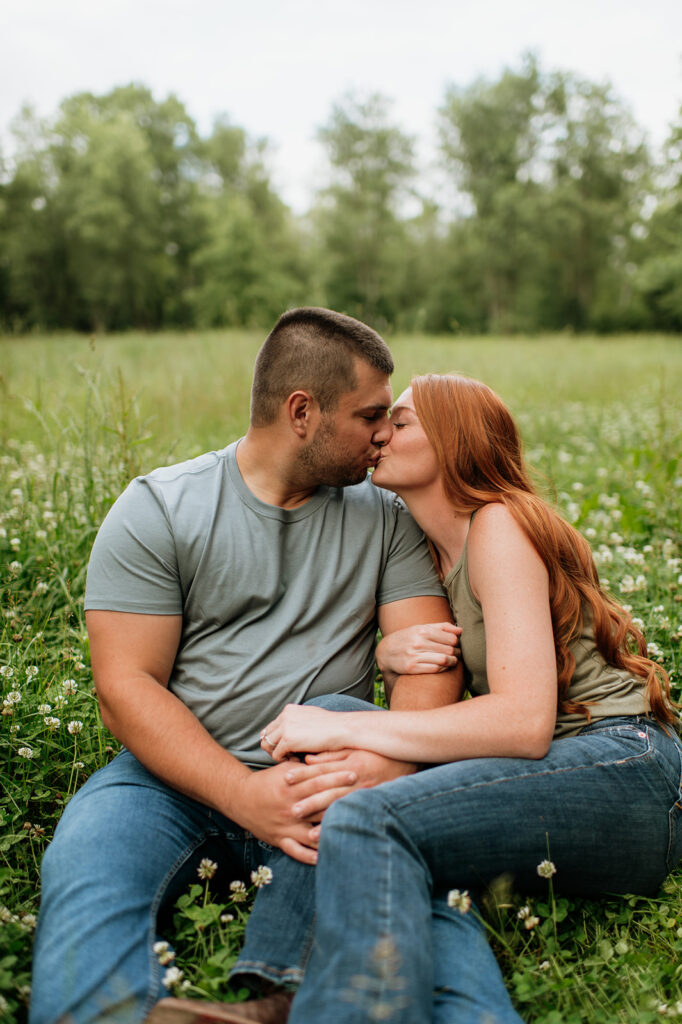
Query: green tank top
<point>610,691</point>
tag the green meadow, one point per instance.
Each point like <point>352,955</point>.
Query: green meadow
<point>80,416</point>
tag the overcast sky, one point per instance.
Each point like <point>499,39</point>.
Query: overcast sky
<point>276,66</point>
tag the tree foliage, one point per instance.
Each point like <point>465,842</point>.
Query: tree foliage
<point>117,213</point>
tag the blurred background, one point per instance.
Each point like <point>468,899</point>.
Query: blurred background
<point>431,167</point>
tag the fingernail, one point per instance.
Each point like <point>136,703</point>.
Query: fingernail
<point>352,777</point>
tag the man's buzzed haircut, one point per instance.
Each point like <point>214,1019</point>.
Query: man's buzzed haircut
<point>312,349</point>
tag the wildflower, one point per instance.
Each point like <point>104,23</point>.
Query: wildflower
<point>15,543</point>
<point>638,623</point>
<point>524,912</point>
<point>6,915</point>
<point>44,709</point>
<point>544,966</point>
<point>590,533</point>
<point>164,953</point>
<point>69,687</point>
<point>546,869</point>
<point>459,900</point>
<point>60,700</point>
<point>51,722</point>
<point>31,672</point>
<point>13,697</point>
<point>530,922</point>
<point>262,876</point>
<point>238,890</point>
<point>78,764</point>
<point>29,921</point>
<point>75,727</point>
<point>628,585</point>
<point>207,868</point>
<point>6,671</point>
<point>41,535</point>
<point>226,918</point>
<point>172,977</point>
<point>15,568</point>
<point>40,588</point>
<point>654,651</point>
<point>26,752</point>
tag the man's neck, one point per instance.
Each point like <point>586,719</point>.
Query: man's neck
<point>266,468</point>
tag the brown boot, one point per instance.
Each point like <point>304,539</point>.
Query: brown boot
<point>272,1009</point>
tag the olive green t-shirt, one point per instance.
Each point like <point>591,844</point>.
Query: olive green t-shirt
<point>610,691</point>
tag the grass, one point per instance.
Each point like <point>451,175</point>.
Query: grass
<point>80,416</point>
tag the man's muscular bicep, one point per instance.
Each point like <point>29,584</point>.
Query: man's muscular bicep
<point>124,645</point>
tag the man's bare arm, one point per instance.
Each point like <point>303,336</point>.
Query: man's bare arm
<point>132,658</point>
<point>423,690</point>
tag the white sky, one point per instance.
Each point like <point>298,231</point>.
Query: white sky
<point>276,66</point>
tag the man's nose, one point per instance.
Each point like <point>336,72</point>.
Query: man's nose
<point>383,434</point>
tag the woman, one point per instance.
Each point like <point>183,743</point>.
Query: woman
<point>566,755</point>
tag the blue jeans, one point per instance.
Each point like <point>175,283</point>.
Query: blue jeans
<point>125,849</point>
<point>605,806</point>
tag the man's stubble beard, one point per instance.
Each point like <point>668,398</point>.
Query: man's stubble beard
<point>325,463</point>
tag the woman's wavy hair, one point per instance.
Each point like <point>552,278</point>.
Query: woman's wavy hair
<point>480,454</point>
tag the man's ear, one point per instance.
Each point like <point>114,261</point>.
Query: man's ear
<point>302,411</point>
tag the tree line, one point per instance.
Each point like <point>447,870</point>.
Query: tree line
<point>553,214</point>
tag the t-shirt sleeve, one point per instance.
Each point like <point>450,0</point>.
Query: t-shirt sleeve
<point>133,564</point>
<point>409,570</point>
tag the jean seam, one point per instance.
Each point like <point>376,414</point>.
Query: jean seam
<point>526,775</point>
<point>156,903</point>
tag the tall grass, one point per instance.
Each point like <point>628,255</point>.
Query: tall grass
<point>79,417</point>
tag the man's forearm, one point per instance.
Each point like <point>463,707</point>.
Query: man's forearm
<point>170,742</point>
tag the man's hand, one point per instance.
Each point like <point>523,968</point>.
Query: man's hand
<point>275,804</point>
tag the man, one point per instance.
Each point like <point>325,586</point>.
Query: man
<point>219,590</point>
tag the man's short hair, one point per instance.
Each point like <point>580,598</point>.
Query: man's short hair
<point>312,349</point>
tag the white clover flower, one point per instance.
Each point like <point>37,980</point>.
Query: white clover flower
<point>459,900</point>
<point>531,922</point>
<point>40,588</point>
<point>15,543</point>
<point>41,535</point>
<point>546,868</point>
<point>590,533</point>
<point>172,977</point>
<point>26,752</point>
<point>79,764</point>
<point>615,538</point>
<point>524,912</point>
<point>3,532</point>
<point>31,671</point>
<point>75,727</point>
<point>17,495</point>
<point>13,697</point>
<point>577,486</point>
<point>238,890</point>
<point>654,651</point>
<point>6,915</point>
<point>51,722</point>
<point>261,876</point>
<point>638,623</point>
<point>29,921</point>
<point>544,966</point>
<point>226,918</point>
<point>44,709</point>
<point>164,954</point>
<point>6,671</point>
<point>69,687</point>
<point>15,568</point>
<point>60,700</point>
<point>207,868</point>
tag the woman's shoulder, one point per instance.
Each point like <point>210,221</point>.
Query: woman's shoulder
<point>497,537</point>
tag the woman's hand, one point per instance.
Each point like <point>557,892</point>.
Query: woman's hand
<point>300,729</point>
<point>432,647</point>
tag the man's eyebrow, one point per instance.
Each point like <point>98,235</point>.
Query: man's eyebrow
<point>378,407</point>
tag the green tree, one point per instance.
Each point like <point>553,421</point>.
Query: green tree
<point>358,218</point>
<point>659,280</point>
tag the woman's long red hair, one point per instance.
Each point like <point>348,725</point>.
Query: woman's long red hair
<point>480,455</point>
